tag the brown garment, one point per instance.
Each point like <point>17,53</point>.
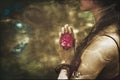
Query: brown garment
<point>101,58</point>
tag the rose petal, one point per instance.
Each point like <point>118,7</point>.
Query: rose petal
<point>66,41</point>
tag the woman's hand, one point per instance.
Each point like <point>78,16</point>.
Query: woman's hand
<point>67,40</point>
<point>67,44</point>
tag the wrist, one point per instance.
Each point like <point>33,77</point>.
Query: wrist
<point>62,67</point>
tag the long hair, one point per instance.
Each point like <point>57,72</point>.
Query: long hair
<point>111,15</point>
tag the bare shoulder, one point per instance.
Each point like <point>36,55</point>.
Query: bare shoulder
<point>104,47</point>
<point>112,31</point>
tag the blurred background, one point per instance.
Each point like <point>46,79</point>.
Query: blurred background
<point>29,36</point>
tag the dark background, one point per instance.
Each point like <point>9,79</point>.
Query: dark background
<point>42,20</point>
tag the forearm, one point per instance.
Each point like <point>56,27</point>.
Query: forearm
<point>63,74</point>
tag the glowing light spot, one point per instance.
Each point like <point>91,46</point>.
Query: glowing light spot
<point>6,20</point>
<point>56,40</point>
<point>63,62</point>
<point>89,24</point>
<point>26,40</point>
<point>19,25</point>
<point>18,50</point>
<point>75,30</point>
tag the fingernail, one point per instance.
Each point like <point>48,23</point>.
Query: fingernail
<point>66,25</point>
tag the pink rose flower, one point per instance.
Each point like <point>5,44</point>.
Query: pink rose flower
<point>67,41</point>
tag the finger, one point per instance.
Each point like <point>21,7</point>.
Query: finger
<point>63,61</point>
<point>62,30</point>
<point>70,30</point>
<point>66,28</point>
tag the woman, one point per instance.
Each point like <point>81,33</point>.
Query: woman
<point>97,57</point>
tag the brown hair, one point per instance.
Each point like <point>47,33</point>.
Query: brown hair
<point>111,15</point>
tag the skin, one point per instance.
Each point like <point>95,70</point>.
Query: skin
<point>86,5</point>
<point>89,5</point>
<point>99,53</point>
